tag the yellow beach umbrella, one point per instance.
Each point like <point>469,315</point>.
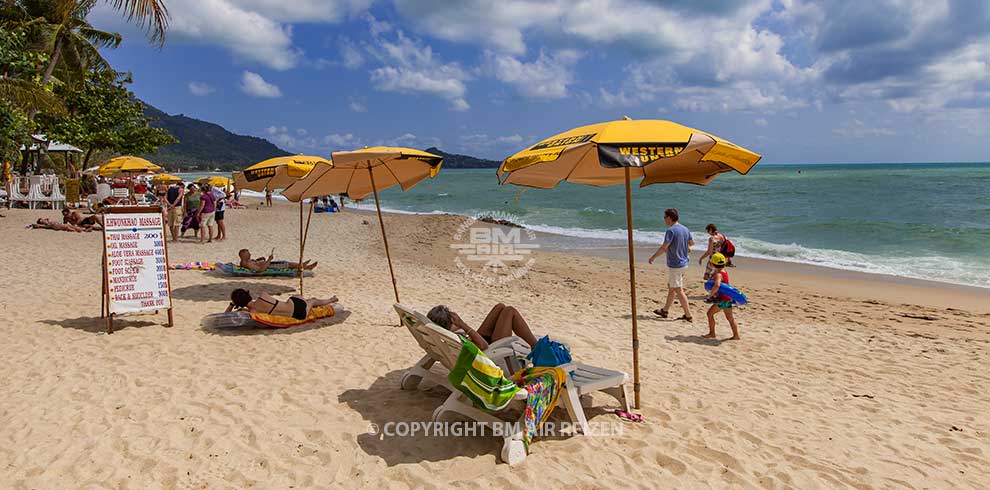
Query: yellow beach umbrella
<point>617,152</point>
<point>165,179</point>
<point>216,181</point>
<point>366,171</point>
<point>278,173</point>
<point>128,165</point>
<point>240,182</point>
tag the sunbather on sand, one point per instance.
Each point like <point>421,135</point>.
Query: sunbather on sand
<point>295,307</point>
<point>47,224</point>
<point>94,222</point>
<point>262,264</point>
<point>503,321</point>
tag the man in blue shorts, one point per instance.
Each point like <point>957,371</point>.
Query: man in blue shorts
<point>676,244</point>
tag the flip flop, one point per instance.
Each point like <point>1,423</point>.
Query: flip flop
<point>632,417</point>
<point>661,312</point>
<point>686,318</point>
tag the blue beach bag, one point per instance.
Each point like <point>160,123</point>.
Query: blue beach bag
<point>549,353</point>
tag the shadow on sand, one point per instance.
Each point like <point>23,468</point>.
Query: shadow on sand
<point>95,324</point>
<point>225,332</point>
<point>695,339</point>
<point>221,291</point>
<point>386,407</point>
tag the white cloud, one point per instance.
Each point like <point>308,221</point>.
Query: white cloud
<point>324,11</point>
<point>481,141</point>
<point>859,129</point>
<point>497,25</point>
<point>760,122</point>
<point>342,142</point>
<point>256,86</point>
<point>410,66</point>
<point>254,31</point>
<point>743,96</point>
<point>621,98</point>
<point>350,55</point>
<point>547,77</point>
<point>200,89</point>
<point>249,35</point>
<point>357,106</point>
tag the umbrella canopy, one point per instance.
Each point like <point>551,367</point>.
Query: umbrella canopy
<point>216,181</point>
<point>361,172</point>
<point>656,151</point>
<point>352,172</point>
<point>128,165</point>
<point>618,152</point>
<point>165,179</point>
<point>240,182</point>
<point>278,173</point>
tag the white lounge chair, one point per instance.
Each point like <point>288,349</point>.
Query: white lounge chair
<point>509,354</point>
<point>444,347</point>
<point>121,195</point>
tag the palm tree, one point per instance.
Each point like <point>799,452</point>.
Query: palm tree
<point>73,40</point>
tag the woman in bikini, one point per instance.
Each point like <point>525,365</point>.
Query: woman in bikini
<point>502,321</point>
<point>295,307</point>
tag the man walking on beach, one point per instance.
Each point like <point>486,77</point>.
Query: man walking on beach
<point>174,197</point>
<point>676,244</point>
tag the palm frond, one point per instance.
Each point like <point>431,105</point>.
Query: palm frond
<point>29,96</point>
<point>100,38</point>
<point>151,14</point>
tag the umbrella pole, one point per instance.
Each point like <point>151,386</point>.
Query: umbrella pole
<point>302,239</point>
<point>381,222</point>
<point>632,289</point>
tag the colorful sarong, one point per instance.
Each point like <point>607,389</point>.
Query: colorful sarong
<point>543,385</point>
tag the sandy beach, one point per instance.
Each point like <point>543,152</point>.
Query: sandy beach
<point>841,380</point>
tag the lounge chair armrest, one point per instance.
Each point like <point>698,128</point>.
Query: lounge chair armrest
<point>515,343</point>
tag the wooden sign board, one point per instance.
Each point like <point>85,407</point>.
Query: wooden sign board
<point>135,262</point>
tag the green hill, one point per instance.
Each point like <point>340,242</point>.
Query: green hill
<point>204,145</point>
<point>453,160</point>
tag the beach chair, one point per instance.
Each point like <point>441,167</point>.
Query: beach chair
<point>121,195</point>
<point>15,195</point>
<point>443,346</point>
<point>509,354</point>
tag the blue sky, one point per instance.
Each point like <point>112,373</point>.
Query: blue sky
<point>795,80</point>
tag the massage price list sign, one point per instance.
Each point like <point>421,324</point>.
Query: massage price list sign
<point>136,262</point>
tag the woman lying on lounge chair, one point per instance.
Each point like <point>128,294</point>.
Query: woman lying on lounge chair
<point>295,307</point>
<point>503,321</point>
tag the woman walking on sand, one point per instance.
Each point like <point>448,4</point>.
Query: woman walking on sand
<point>715,242</point>
<point>191,218</point>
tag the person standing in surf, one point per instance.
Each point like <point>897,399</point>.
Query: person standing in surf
<point>676,244</point>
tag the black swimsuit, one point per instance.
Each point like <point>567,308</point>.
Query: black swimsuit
<point>298,307</point>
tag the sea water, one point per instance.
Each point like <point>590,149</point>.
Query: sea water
<point>925,221</point>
